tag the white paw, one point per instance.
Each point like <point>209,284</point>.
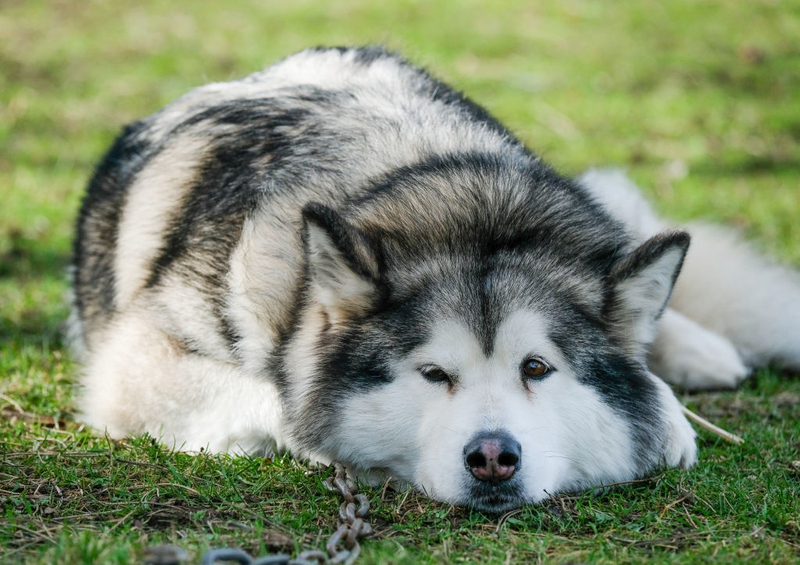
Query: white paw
<point>693,358</point>
<point>680,449</point>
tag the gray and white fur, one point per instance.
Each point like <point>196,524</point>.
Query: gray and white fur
<point>343,257</point>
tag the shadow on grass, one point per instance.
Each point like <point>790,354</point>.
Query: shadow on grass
<point>37,329</point>
<point>746,166</point>
<point>28,259</point>
<point>33,277</point>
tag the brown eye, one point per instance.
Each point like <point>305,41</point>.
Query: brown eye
<point>535,368</point>
<point>436,374</point>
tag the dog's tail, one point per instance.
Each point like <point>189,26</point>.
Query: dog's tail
<point>725,285</point>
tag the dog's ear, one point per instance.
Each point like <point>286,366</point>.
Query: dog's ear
<point>641,284</point>
<point>343,263</point>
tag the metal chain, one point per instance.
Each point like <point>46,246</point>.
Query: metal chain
<point>352,528</point>
<point>239,556</point>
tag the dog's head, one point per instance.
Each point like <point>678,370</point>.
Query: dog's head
<point>488,374</point>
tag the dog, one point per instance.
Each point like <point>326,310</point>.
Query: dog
<point>343,257</point>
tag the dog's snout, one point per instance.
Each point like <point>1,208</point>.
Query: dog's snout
<point>493,456</point>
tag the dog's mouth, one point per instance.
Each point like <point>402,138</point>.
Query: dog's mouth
<point>495,499</point>
<point>496,504</point>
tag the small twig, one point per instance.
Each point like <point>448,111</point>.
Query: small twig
<point>402,502</point>
<point>19,549</point>
<point>238,526</point>
<point>15,412</point>
<point>178,485</point>
<point>504,518</point>
<point>704,501</point>
<point>121,520</point>
<point>385,487</point>
<point>689,517</point>
<point>42,536</point>
<point>89,515</point>
<point>620,483</point>
<point>728,502</point>
<point>787,542</point>
<point>671,504</point>
<point>13,402</point>
<point>703,423</point>
<point>19,455</point>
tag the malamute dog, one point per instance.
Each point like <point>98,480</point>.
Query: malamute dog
<point>343,257</point>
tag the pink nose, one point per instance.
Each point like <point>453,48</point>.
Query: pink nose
<point>493,456</point>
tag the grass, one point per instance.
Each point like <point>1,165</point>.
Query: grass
<point>698,100</point>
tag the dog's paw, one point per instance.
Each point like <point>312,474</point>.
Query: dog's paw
<point>680,448</point>
<point>693,358</point>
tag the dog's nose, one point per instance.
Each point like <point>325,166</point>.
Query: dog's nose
<point>493,456</point>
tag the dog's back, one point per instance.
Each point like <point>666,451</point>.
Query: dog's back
<point>229,166</point>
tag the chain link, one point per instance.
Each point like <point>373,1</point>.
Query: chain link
<point>342,547</point>
<point>352,517</point>
<point>241,557</point>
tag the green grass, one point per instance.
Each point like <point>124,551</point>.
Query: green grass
<point>698,100</point>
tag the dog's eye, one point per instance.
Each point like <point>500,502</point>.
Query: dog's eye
<point>436,374</point>
<point>534,368</point>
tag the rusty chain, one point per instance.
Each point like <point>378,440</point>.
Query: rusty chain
<point>352,527</point>
<point>342,547</point>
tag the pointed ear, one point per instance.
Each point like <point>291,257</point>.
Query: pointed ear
<point>641,285</point>
<point>343,264</point>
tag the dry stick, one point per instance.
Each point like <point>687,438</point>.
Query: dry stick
<point>504,518</point>
<point>703,423</point>
<point>671,504</point>
<point>13,402</point>
<point>121,520</point>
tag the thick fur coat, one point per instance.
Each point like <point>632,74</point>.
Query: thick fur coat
<point>344,257</point>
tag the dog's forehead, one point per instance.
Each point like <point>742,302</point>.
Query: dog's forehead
<point>535,298</point>
<point>455,344</point>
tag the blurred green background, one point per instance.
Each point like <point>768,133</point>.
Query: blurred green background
<point>699,100</point>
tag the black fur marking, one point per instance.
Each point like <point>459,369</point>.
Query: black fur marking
<point>441,92</point>
<point>365,55</point>
<point>98,222</point>
<point>361,255</point>
<point>322,49</point>
<point>227,328</point>
<point>233,179</point>
<point>265,127</point>
<point>650,252</point>
<point>616,310</point>
<point>622,381</point>
<point>368,55</point>
<point>627,388</point>
<point>540,228</point>
<point>354,360</point>
<point>550,209</point>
